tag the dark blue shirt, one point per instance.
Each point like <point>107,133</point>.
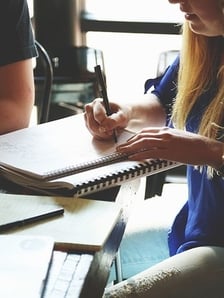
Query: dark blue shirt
<point>201,220</point>
<point>16,36</point>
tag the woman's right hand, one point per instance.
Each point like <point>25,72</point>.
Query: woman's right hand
<point>99,124</point>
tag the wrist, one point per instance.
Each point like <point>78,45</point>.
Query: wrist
<point>220,168</point>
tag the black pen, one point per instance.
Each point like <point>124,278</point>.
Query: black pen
<point>55,211</point>
<point>103,92</point>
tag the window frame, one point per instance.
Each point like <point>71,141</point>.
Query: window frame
<point>92,22</point>
<point>89,22</point>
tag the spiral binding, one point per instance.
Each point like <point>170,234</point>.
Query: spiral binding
<point>85,166</point>
<point>112,179</point>
<point>143,169</point>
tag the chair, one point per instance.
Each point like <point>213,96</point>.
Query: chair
<point>42,100</point>
<point>57,28</point>
<point>75,82</point>
<point>165,59</point>
<point>66,81</point>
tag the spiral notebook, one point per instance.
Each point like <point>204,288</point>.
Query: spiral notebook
<point>61,157</point>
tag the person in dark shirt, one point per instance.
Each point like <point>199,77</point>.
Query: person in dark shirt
<point>16,69</point>
<point>183,116</point>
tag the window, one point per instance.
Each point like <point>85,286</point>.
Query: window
<point>132,58</point>
<point>157,10</point>
<point>30,4</point>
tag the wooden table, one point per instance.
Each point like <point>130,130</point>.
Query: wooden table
<point>98,274</point>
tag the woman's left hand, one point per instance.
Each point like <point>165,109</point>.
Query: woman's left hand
<point>173,144</point>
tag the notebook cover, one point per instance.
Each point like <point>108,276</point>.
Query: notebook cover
<point>85,224</point>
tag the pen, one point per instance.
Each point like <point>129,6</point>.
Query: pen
<point>103,91</point>
<point>56,211</point>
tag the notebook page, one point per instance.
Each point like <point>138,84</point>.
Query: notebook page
<point>52,146</point>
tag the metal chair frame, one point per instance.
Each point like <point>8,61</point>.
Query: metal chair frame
<point>43,104</point>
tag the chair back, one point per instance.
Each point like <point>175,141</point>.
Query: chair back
<point>165,59</point>
<point>42,101</point>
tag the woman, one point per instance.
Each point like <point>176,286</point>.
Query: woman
<point>16,69</point>
<point>189,130</point>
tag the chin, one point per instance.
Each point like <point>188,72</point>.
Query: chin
<point>206,31</point>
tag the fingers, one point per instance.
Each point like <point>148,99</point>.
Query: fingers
<point>102,126</point>
<point>147,138</point>
<point>143,148</point>
<point>153,153</point>
<point>97,122</point>
<point>167,143</point>
<point>95,111</point>
<point>149,143</point>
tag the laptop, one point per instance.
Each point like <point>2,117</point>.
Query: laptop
<point>67,274</point>
<point>24,265</point>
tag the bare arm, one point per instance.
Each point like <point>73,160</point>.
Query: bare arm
<point>155,139</point>
<point>16,95</point>
<point>146,113</point>
<point>174,144</point>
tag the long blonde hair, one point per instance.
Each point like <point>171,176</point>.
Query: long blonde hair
<point>201,65</point>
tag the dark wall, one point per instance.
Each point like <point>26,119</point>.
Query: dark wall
<point>54,24</point>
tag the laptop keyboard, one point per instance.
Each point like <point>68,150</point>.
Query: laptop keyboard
<point>67,274</point>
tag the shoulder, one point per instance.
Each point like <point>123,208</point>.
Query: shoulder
<point>10,9</point>
<point>167,80</point>
<point>16,36</point>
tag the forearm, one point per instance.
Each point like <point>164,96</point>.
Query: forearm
<point>147,113</point>
<point>15,115</point>
<point>16,95</point>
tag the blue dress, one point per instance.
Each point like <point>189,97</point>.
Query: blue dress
<point>201,220</point>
